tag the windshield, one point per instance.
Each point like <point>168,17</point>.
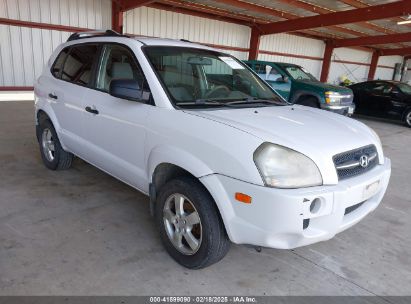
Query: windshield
<point>203,77</point>
<point>299,73</point>
<point>405,88</point>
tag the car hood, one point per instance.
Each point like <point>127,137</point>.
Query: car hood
<point>316,133</point>
<point>329,87</point>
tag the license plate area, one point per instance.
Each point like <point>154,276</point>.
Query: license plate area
<point>371,189</point>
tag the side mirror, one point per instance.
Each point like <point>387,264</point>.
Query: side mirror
<point>128,89</point>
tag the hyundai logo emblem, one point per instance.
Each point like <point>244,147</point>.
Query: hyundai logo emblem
<point>364,161</point>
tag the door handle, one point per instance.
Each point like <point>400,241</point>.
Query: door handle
<point>94,111</point>
<point>51,95</point>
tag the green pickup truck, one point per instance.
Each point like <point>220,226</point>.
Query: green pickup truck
<point>297,86</point>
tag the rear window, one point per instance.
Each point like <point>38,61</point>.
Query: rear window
<point>58,63</point>
<point>79,63</point>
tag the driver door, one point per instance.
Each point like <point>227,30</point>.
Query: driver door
<point>115,127</point>
<point>379,98</point>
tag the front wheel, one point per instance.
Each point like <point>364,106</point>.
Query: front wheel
<point>407,118</point>
<point>190,227</point>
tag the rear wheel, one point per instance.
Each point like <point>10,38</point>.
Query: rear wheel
<point>309,102</point>
<point>190,227</point>
<point>53,155</point>
<point>407,118</point>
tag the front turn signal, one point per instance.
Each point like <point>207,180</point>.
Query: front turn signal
<point>244,198</point>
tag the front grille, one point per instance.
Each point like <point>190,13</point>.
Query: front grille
<point>348,164</point>
<point>347,100</point>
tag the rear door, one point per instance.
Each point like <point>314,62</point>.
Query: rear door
<point>116,128</point>
<point>72,72</point>
<point>379,98</point>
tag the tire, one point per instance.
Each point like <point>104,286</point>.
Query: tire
<point>53,155</point>
<point>309,102</point>
<point>407,118</point>
<point>209,232</point>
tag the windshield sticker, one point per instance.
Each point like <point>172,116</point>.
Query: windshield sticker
<point>232,63</point>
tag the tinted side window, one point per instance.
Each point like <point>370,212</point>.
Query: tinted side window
<point>118,63</point>
<point>378,87</point>
<point>267,72</point>
<point>58,63</point>
<point>369,86</point>
<point>79,63</point>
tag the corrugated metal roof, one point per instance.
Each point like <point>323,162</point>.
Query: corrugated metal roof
<point>304,8</point>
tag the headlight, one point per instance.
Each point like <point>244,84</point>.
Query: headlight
<point>281,167</point>
<point>377,138</point>
<point>333,97</point>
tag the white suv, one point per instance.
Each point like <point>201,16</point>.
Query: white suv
<point>220,155</point>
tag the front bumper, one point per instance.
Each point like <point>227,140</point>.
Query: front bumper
<point>275,218</point>
<point>346,110</point>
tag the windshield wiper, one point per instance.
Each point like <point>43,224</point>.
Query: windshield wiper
<point>253,100</point>
<point>233,103</point>
<point>202,102</point>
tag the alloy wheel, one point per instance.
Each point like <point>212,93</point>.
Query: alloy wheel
<point>182,224</point>
<point>408,118</point>
<point>48,144</point>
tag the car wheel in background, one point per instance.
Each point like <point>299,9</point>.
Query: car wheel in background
<point>309,102</point>
<point>407,118</point>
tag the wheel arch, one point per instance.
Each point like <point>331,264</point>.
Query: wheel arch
<point>406,110</point>
<point>404,114</point>
<point>45,114</point>
<point>166,162</point>
<point>165,172</point>
<point>306,94</point>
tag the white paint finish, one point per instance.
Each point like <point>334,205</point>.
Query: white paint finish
<point>159,23</point>
<point>210,150</point>
<point>274,216</point>
<point>24,51</point>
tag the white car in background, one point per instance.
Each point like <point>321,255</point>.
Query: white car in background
<point>220,155</point>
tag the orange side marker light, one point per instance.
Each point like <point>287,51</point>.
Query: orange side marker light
<point>244,198</point>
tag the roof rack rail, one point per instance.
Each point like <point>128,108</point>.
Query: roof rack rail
<point>185,40</point>
<point>83,35</point>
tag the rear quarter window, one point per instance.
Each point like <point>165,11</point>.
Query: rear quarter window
<point>57,66</point>
<point>78,65</point>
